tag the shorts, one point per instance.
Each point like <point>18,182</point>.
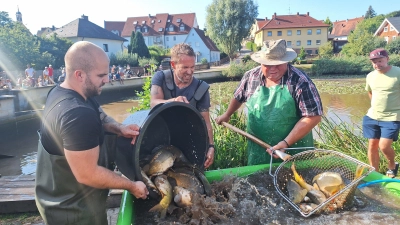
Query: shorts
<point>374,129</point>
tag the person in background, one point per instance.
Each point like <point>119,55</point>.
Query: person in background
<point>30,73</point>
<point>283,103</point>
<point>72,176</point>
<point>51,73</point>
<point>381,124</point>
<point>46,74</point>
<point>61,78</point>
<point>185,86</point>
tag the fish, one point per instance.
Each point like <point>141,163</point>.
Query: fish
<point>164,187</point>
<point>187,181</point>
<point>329,183</point>
<point>182,196</point>
<point>296,193</point>
<point>147,181</point>
<point>195,171</point>
<point>307,207</point>
<point>179,156</point>
<point>161,162</point>
<point>359,171</point>
<point>314,194</point>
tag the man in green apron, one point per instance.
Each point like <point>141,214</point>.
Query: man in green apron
<point>72,178</point>
<point>283,104</point>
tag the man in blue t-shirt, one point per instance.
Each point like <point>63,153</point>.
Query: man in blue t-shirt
<point>184,88</point>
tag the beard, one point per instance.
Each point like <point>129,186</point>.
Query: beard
<point>90,89</point>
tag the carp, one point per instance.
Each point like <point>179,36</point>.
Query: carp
<point>314,194</point>
<point>329,183</point>
<point>147,181</point>
<point>161,162</point>
<point>164,187</point>
<point>296,193</point>
<point>187,181</point>
<point>182,196</point>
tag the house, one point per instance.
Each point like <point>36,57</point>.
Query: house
<point>203,46</point>
<point>258,24</point>
<point>341,30</point>
<point>299,30</point>
<point>45,30</point>
<point>114,26</point>
<point>166,30</point>
<point>389,29</point>
<point>82,29</point>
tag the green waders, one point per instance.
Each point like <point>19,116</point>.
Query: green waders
<point>271,117</point>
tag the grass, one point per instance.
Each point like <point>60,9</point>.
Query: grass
<point>20,218</point>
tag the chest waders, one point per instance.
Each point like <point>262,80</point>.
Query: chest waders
<point>59,197</point>
<point>271,117</point>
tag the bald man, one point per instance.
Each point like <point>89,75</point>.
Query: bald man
<point>72,180</point>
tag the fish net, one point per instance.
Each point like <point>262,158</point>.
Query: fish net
<point>313,162</point>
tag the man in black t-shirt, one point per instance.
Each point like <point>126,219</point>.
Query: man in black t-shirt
<point>72,182</point>
<point>185,86</point>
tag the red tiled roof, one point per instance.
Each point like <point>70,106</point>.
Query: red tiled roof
<point>154,23</point>
<point>207,41</point>
<point>261,23</point>
<point>114,25</point>
<point>344,27</point>
<point>292,21</point>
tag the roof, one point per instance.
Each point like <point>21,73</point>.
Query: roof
<point>82,27</point>
<point>344,27</point>
<point>292,21</point>
<point>261,22</point>
<point>394,21</point>
<point>114,25</point>
<point>160,23</point>
<point>207,41</point>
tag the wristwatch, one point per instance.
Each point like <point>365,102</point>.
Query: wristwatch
<point>209,146</point>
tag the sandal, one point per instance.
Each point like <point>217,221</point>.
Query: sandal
<point>393,173</point>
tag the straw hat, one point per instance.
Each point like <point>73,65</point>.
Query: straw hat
<point>274,53</point>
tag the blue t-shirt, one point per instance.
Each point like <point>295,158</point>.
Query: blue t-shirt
<point>202,105</point>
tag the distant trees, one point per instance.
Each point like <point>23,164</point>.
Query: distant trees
<point>229,21</point>
<point>139,47</point>
<point>131,42</point>
<point>329,22</point>
<point>370,13</point>
<point>326,50</point>
<point>394,46</point>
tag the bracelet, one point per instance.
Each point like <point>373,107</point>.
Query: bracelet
<point>211,146</point>
<point>285,142</point>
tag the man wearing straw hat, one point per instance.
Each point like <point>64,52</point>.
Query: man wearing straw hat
<point>283,103</point>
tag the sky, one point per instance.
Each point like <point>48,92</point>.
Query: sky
<point>46,13</point>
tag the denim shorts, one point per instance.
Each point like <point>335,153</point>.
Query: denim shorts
<point>374,129</point>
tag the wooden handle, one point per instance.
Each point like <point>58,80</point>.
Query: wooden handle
<point>249,136</point>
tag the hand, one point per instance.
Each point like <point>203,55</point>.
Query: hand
<point>181,99</point>
<point>222,118</point>
<point>210,157</point>
<point>278,147</point>
<point>130,131</point>
<point>139,190</point>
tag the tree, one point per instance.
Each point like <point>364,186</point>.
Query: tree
<point>302,54</point>
<point>56,47</point>
<point>394,46</point>
<point>329,22</point>
<point>139,47</point>
<point>370,13</point>
<point>5,18</point>
<point>393,14</point>
<point>326,50</point>
<point>229,21</point>
<point>131,42</point>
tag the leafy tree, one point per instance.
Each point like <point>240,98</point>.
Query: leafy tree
<point>302,54</point>
<point>229,21</point>
<point>326,50</point>
<point>329,22</point>
<point>56,46</point>
<point>131,42</point>
<point>393,14</point>
<point>394,46</point>
<point>5,18</point>
<point>370,13</point>
<point>139,47</point>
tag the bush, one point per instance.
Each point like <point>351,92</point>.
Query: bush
<point>246,58</point>
<point>249,45</point>
<point>223,55</point>
<point>144,61</point>
<point>203,61</point>
<point>394,60</point>
<point>124,58</point>
<point>342,65</point>
<point>237,70</point>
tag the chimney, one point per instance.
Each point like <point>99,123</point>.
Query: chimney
<point>149,16</point>
<point>308,13</point>
<point>297,13</point>
<point>266,18</point>
<point>84,17</point>
<point>274,15</point>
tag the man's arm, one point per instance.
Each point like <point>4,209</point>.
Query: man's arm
<point>86,171</point>
<point>233,106</point>
<point>370,95</point>
<point>210,153</point>
<point>157,96</point>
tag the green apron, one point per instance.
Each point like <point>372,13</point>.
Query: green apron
<point>271,117</point>
<point>65,201</point>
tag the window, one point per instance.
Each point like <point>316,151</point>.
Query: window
<point>167,38</point>
<point>159,21</point>
<point>105,47</point>
<point>134,22</point>
<point>138,29</point>
<point>145,29</point>
<point>289,33</point>
<point>318,31</point>
<point>308,42</point>
<point>391,28</point>
<point>318,42</point>
<point>143,22</point>
<point>174,38</point>
<point>394,38</point>
<point>152,21</point>
<point>309,52</point>
<point>279,33</point>
<point>178,20</point>
<point>298,43</point>
<point>298,32</point>
<point>387,39</point>
<point>316,51</point>
<point>197,44</point>
<point>160,29</point>
<point>168,21</point>
<point>182,27</point>
<point>309,32</point>
<point>269,33</point>
<point>289,44</point>
<point>385,29</point>
<point>171,27</point>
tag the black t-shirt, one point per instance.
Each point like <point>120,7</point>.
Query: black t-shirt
<point>73,124</point>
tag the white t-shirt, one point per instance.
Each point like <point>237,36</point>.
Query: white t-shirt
<point>29,71</point>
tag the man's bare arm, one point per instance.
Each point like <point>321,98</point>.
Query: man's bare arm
<point>210,154</point>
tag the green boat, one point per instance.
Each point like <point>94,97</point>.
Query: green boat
<point>127,212</point>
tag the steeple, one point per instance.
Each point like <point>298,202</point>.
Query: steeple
<point>19,15</point>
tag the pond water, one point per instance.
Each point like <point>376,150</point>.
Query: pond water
<point>22,142</point>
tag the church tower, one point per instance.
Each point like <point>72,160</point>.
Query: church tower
<point>19,16</point>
